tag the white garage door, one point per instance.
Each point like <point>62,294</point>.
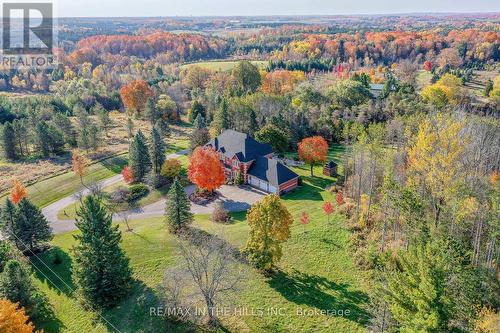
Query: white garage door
<point>272,189</point>
<point>263,185</point>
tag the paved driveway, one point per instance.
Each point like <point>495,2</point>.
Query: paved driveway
<point>235,199</point>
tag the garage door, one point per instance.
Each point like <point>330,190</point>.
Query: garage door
<point>263,185</point>
<point>271,188</point>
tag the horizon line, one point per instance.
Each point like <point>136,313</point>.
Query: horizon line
<point>294,15</point>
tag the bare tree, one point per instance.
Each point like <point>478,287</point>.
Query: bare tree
<point>124,215</point>
<point>213,269</point>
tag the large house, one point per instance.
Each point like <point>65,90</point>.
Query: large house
<point>240,153</point>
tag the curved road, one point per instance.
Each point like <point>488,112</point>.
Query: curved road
<point>234,198</point>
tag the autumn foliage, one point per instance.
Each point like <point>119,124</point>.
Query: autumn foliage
<point>173,47</point>
<point>18,191</point>
<point>205,169</point>
<point>13,318</point>
<point>79,163</point>
<point>313,150</point>
<point>328,209</point>
<point>427,66</point>
<point>128,175</point>
<point>340,198</point>
<point>281,81</point>
<point>135,95</point>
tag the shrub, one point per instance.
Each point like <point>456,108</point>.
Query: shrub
<point>239,178</point>
<point>220,214</point>
<point>121,194</point>
<point>155,181</point>
<point>137,191</point>
<point>171,168</point>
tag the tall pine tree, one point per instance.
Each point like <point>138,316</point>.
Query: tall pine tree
<point>8,142</point>
<point>199,122</point>
<point>156,151</point>
<point>178,210</point>
<point>139,159</point>
<point>221,117</point>
<point>16,284</point>
<point>101,270</point>
<point>7,218</point>
<point>25,225</point>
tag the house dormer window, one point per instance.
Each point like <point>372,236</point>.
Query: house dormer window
<point>235,163</point>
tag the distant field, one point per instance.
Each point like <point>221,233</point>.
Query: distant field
<point>222,65</point>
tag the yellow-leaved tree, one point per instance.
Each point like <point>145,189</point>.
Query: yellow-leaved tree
<point>269,222</point>
<point>434,158</point>
<point>13,318</point>
<point>447,90</point>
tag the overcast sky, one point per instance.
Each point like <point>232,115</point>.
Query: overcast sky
<point>114,8</point>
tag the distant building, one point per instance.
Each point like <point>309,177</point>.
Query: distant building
<point>330,169</point>
<point>240,153</point>
<point>376,89</point>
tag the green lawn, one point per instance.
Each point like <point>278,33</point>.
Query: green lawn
<point>315,273</point>
<point>52,189</point>
<point>223,65</point>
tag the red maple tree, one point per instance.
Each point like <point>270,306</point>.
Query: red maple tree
<point>340,198</point>
<point>304,220</point>
<point>427,66</point>
<point>18,191</point>
<point>328,209</point>
<point>313,150</point>
<point>128,175</point>
<point>135,95</point>
<point>205,169</point>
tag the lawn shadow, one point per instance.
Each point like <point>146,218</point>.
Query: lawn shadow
<point>115,163</point>
<point>53,267</point>
<point>305,191</point>
<point>133,314</point>
<point>319,292</point>
<point>44,317</point>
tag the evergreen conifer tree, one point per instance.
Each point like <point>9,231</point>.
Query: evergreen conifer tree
<point>199,122</point>
<point>101,269</point>
<point>139,159</point>
<point>28,229</point>
<point>178,210</point>
<point>16,284</point>
<point>156,151</point>
<point>8,142</point>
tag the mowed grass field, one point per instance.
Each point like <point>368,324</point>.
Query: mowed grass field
<point>52,189</point>
<point>222,65</point>
<point>316,273</point>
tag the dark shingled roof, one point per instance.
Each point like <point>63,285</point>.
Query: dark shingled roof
<point>330,164</point>
<point>232,143</point>
<point>272,171</point>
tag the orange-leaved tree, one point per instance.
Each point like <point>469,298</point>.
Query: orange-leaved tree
<point>18,191</point>
<point>328,209</point>
<point>135,95</point>
<point>313,150</point>
<point>205,169</point>
<point>79,163</point>
<point>13,318</point>
<point>128,175</point>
